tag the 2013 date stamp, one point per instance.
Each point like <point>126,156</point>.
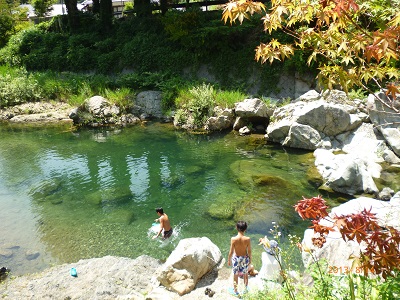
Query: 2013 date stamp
<point>340,270</point>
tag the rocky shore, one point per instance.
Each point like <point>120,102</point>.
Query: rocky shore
<point>109,278</point>
<point>38,112</point>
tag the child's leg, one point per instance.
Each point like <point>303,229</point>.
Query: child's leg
<point>235,282</point>
<point>246,279</point>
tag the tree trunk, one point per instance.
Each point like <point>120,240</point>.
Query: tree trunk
<point>96,6</point>
<point>73,14</point>
<point>142,8</point>
<point>106,14</point>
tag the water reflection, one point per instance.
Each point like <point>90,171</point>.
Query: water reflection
<point>93,192</point>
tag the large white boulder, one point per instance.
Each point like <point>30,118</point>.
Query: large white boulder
<point>347,173</point>
<point>386,119</point>
<point>304,124</point>
<point>98,106</point>
<point>191,260</point>
<point>251,108</point>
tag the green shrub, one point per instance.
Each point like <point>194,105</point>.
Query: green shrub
<point>19,88</point>
<point>198,102</point>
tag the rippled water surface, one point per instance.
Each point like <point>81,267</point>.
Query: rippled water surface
<point>66,195</point>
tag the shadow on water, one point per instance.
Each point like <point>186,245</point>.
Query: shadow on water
<point>68,195</point>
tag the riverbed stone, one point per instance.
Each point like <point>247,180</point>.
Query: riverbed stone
<point>6,253</point>
<point>255,173</point>
<point>31,254</point>
<point>314,177</point>
<point>222,210</point>
<point>45,189</point>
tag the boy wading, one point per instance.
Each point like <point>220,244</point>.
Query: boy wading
<point>240,256</point>
<point>165,226</point>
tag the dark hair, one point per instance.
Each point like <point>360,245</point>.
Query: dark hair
<point>160,210</point>
<point>241,226</point>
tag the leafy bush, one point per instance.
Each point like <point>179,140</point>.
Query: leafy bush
<point>178,43</point>
<point>198,102</point>
<point>180,24</point>
<point>19,88</point>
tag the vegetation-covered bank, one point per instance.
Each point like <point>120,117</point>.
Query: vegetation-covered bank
<point>155,52</point>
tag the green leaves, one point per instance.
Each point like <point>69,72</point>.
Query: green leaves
<point>343,37</point>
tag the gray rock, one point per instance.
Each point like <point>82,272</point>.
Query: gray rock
<point>218,123</point>
<point>244,130</point>
<point>96,105</point>
<point>311,95</point>
<point>150,103</point>
<point>251,108</point>
<point>386,119</point>
<point>191,260</point>
<point>32,255</point>
<point>239,123</point>
<point>386,194</point>
<point>346,173</point>
<point>302,136</point>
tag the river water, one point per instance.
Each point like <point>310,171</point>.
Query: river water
<point>68,194</point>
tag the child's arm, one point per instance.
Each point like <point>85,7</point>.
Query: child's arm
<point>230,252</point>
<point>249,251</point>
<point>161,228</point>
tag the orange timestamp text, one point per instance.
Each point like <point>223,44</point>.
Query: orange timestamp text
<point>338,270</point>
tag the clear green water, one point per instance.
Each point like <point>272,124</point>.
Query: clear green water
<point>67,195</point>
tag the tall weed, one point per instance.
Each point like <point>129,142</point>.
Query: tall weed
<point>121,97</point>
<point>198,102</point>
<point>227,99</point>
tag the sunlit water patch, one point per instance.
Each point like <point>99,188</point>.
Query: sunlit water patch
<point>67,195</point>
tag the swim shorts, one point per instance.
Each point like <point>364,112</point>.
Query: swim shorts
<point>240,264</point>
<point>167,233</point>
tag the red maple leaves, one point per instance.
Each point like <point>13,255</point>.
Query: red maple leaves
<point>382,245</point>
<point>313,208</point>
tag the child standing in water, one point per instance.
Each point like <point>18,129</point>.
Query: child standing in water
<point>165,226</point>
<point>240,256</point>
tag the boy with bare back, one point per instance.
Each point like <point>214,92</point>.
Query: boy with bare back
<point>165,225</point>
<point>240,256</point>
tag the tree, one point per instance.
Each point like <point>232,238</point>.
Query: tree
<point>355,43</point>
<point>42,7</point>
<point>96,6</point>
<point>106,14</point>
<point>73,14</point>
<point>142,8</point>
<point>12,19</point>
